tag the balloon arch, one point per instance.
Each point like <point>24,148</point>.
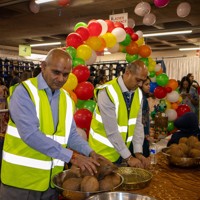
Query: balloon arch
<point>88,40</point>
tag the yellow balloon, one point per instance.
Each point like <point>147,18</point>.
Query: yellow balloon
<point>71,82</point>
<point>180,99</point>
<point>110,40</point>
<point>168,104</point>
<point>140,41</point>
<point>84,52</point>
<point>94,42</point>
<point>151,67</point>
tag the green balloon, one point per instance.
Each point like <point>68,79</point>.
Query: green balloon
<point>130,58</point>
<point>79,24</point>
<point>90,105</point>
<point>126,41</point>
<point>71,51</point>
<point>78,61</point>
<point>80,103</point>
<point>170,126</point>
<point>162,79</point>
<point>145,61</point>
<point>152,74</point>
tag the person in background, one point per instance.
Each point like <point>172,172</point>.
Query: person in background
<point>26,75</point>
<point>40,127</point>
<point>189,95</point>
<point>193,82</point>
<point>36,71</point>
<point>15,78</point>
<point>100,80</point>
<point>145,115</point>
<point>117,119</point>
<point>187,125</point>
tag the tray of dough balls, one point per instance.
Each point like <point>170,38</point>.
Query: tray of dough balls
<point>184,154</point>
<point>74,184</point>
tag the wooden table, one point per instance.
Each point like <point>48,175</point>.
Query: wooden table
<point>173,183</point>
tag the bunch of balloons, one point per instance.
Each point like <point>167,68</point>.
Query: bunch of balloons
<point>89,39</point>
<point>166,90</point>
<point>84,44</point>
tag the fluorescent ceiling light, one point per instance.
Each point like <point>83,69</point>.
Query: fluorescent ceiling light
<point>189,49</point>
<point>35,56</point>
<point>167,33</point>
<point>43,1</point>
<point>45,44</point>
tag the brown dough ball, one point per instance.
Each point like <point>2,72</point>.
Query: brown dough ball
<point>197,145</point>
<point>194,153</point>
<point>177,152</point>
<point>183,140</point>
<point>191,141</point>
<point>89,184</point>
<point>72,184</point>
<point>184,148</point>
<point>109,182</point>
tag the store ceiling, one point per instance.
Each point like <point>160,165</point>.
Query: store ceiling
<point>18,25</point>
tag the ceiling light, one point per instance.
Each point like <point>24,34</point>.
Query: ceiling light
<point>45,44</point>
<point>167,33</point>
<point>189,49</point>
<point>36,57</point>
<point>43,1</point>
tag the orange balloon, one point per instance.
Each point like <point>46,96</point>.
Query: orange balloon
<point>174,105</point>
<point>144,51</point>
<point>132,48</point>
<point>72,95</point>
<point>159,72</point>
<point>103,45</point>
<point>172,84</point>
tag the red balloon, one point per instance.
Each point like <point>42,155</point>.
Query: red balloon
<point>94,28</point>
<point>134,37</point>
<point>110,25</point>
<point>83,32</point>
<point>168,89</point>
<point>183,108</point>
<point>74,40</point>
<point>63,2</point>
<point>118,24</point>
<point>82,73</point>
<point>84,90</point>
<point>160,92</point>
<point>83,118</point>
<point>129,30</point>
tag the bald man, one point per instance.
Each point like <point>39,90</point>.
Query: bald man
<point>40,128</point>
<point>117,121</point>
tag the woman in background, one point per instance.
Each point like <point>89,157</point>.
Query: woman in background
<point>145,115</point>
<point>189,95</point>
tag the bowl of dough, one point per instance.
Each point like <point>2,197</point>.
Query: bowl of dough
<point>74,184</point>
<point>184,154</point>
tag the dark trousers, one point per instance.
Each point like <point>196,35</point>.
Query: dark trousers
<point>13,193</point>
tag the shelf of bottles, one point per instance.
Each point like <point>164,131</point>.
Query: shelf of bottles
<point>8,65</point>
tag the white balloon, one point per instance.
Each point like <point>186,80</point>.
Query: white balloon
<point>114,49</point>
<point>149,19</point>
<point>142,9</point>
<point>92,59</point>
<point>173,96</point>
<point>183,9</point>
<point>171,114</point>
<point>139,33</point>
<point>103,25</point>
<point>153,79</point>
<point>82,133</point>
<point>157,67</point>
<point>119,33</point>
<point>34,7</point>
<point>131,23</point>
